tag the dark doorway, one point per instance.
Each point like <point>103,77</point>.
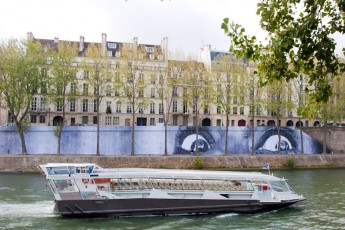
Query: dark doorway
<point>241,123</point>
<point>72,121</point>
<point>316,124</point>
<point>289,123</point>
<point>299,124</point>
<point>206,122</point>
<point>57,120</point>
<point>141,121</point>
<point>271,123</point>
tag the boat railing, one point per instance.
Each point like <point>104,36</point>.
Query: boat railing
<point>175,184</point>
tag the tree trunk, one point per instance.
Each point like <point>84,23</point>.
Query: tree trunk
<point>133,117</point>
<point>97,146</point>
<point>301,136</point>
<point>278,130</point>
<point>324,144</point>
<point>226,135</point>
<point>59,137</point>
<point>22,140</point>
<point>165,138</point>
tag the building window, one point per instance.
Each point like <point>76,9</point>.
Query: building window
<point>289,113</point>
<point>219,109</point>
<point>174,106</point>
<point>127,122</point>
<point>234,110</point>
<point>258,111</point>
<point>160,108</point>
<point>58,106</point>
<point>95,120</point>
<point>174,93</point>
<point>73,88</point>
<point>95,106</point>
<point>33,119</point>
<point>153,79</point>
<point>43,105</point>
<point>241,110</point>
<point>108,120</point>
<point>152,121</point>
<point>141,93</point>
<point>152,107</point>
<point>10,118</point>
<point>109,53</point>
<point>118,107</point>
<point>108,109</point>
<point>129,107</point>
<point>206,110</point>
<point>42,119</point>
<point>235,101</point>
<point>85,89</point>
<point>149,49</point>
<point>85,120</point>
<point>160,120</point>
<point>86,74</point>
<point>72,105</point>
<point>34,104</point>
<point>96,90</point>
<point>116,92</point>
<point>153,92</point>
<point>85,105</point>
<point>116,121</point>
<point>219,122</point>
<point>108,91</point>
<point>141,108</point>
<point>185,107</point>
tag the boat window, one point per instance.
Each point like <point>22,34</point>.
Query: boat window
<point>64,185</point>
<point>89,169</point>
<point>80,170</point>
<point>57,170</point>
<point>71,169</point>
<point>280,186</point>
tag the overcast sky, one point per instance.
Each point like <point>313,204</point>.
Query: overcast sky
<point>188,24</point>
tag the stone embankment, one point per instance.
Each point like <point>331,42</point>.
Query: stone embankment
<point>29,163</point>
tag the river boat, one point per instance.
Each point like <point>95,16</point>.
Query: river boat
<point>89,190</point>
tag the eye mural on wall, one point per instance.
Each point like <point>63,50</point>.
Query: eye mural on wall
<point>185,141</point>
<point>268,142</point>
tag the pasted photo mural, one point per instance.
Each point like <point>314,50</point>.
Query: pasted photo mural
<point>150,140</point>
<point>212,141</point>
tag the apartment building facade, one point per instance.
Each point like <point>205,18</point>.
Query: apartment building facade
<point>151,64</point>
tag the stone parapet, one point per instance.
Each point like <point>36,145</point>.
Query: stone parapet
<point>29,163</point>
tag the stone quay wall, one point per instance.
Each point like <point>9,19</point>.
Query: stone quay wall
<point>335,137</point>
<point>29,163</point>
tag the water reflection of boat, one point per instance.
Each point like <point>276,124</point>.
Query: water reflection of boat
<point>89,190</point>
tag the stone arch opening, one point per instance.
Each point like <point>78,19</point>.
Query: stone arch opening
<point>57,120</point>
<point>206,122</point>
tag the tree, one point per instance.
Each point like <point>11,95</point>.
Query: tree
<point>131,84</point>
<point>278,102</point>
<point>299,41</point>
<point>227,77</point>
<point>63,75</point>
<point>196,85</point>
<point>20,79</point>
<point>98,67</point>
<point>167,94</point>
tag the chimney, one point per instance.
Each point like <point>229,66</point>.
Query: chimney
<point>104,44</point>
<point>29,36</point>
<point>56,39</point>
<point>135,47</point>
<point>81,44</point>
<point>164,47</point>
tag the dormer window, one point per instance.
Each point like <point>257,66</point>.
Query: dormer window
<point>149,49</point>
<point>117,54</point>
<point>112,45</point>
<point>109,53</point>
<point>152,56</point>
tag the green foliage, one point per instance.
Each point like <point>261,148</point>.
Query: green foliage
<point>20,78</point>
<point>290,162</point>
<point>57,130</point>
<point>299,41</point>
<point>198,163</point>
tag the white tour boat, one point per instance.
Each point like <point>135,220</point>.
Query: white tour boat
<point>90,190</point>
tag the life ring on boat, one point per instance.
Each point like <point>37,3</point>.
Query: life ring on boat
<point>85,181</point>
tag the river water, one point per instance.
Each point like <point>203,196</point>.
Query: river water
<point>26,203</point>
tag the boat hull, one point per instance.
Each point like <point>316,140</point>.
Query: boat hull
<point>149,206</point>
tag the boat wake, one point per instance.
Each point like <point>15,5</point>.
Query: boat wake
<point>39,209</point>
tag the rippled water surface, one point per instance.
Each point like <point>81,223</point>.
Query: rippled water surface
<point>26,203</point>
